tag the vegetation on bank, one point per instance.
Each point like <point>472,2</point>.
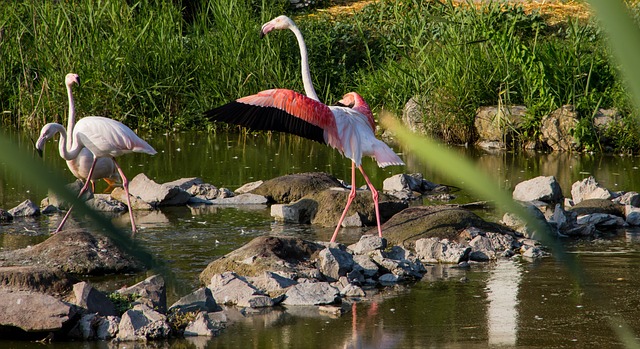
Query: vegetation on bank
<point>158,65</point>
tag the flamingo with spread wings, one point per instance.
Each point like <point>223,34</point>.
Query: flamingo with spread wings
<point>348,127</point>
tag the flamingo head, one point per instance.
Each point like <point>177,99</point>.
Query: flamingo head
<point>354,101</point>
<point>279,23</point>
<point>47,132</point>
<point>72,78</point>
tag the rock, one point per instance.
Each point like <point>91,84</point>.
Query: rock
<point>435,250</point>
<point>272,283</point>
<point>399,262</point>
<point>630,198</point>
<point>5,216</point>
<point>25,209</point>
<point>388,279</point>
<point>591,206</point>
<point>157,194</point>
<point>107,327</point>
<point>588,188</point>
<point>368,243</point>
<point>242,199</point>
<point>141,324</point>
<point>93,326</point>
<point>93,300</point>
<point>404,182</point>
<point>151,292</point>
<point>311,293</point>
<point>185,183</point>
<point>601,220</point>
<point>365,265</point>
<point>482,249</point>
<point>199,300</point>
<point>543,188</point>
<point>533,252</point>
<point>36,278</point>
<point>84,328</point>
<point>351,290</point>
<point>352,221</point>
<point>415,223</point>
<point>334,263</point>
<point>136,203</point>
<point>498,123</point>
<point>290,188</point>
<point>518,224</point>
<point>33,312</point>
<point>201,326</point>
<point>207,191</point>
<point>556,129</point>
<point>248,187</point>
<point>413,115</point>
<point>105,203</point>
<point>605,120</point>
<point>287,255</point>
<point>229,288</point>
<point>74,251</point>
<point>74,187</point>
<point>301,211</point>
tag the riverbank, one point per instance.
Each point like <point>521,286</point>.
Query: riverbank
<point>165,74</point>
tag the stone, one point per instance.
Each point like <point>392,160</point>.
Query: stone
<point>105,203</point>
<point>229,288</point>
<point>543,188</point>
<point>588,188</point>
<point>601,220</point>
<point>368,243</point>
<point>435,250</point>
<point>365,265</point>
<point>33,312</point>
<point>388,279</point>
<point>498,123</point>
<point>632,215</point>
<point>352,221</point>
<point>311,293</point>
<point>5,216</point>
<point>290,188</point>
<point>185,183</point>
<point>556,129</point>
<point>157,194</point>
<point>93,300</point>
<point>351,290</point>
<point>136,203</point>
<point>55,200</point>
<point>256,301</point>
<point>26,209</point>
<point>413,114</point>
<point>630,198</point>
<point>151,292</point>
<point>36,278</point>
<point>482,249</point>
<point>271,283</point>
<point>402,182</point>
<point>523,226</point>
<point>590,206</point>
<point>198,300</point>
<point>242,199</point>
<point>84,328</point>
<point>334,263</point>
<point>142,323</point>
<point>301,211</point>
<point>107,327</point>
<point>74,251</point>
<point>201,326</point>
<point>248,187</point>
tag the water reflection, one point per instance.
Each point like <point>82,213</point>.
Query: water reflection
<point>502,294</point>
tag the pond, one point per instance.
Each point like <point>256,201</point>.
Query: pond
<point>510,303</point>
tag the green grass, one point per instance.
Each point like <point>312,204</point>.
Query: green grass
<point>158,65</point>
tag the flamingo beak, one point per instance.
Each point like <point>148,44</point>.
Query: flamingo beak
<point>36,146</point>
<point>266,28</point>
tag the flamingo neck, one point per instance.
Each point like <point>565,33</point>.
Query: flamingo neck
<point>71,121</point>
<point>67,152</point>
<point>306,74</point>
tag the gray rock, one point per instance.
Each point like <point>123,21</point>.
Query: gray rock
<point>311,293</point>
<point>248,187</point>
<point>365,265</point>
<point>36,278</point>
<point>272,283</point>
<point>208,191</point>
<point>543,188</point>
<point>85,327</point>
<point>47,209</point>
<point>435,250</point>
<point>229,288</point>
<point>25,209</point>
<point>105,203</point>
<point>33,312</point>
<point>242,199</point>
<point>351,290</point>
<point>151,292</point>
<point>520,225</point>
<point>334,263</point>
<point>533,252</point>
<point>556,129</point>
<point>93,300</point>
<point>74,187</point>
<point>301,211</point>
<point>413,114</point>
<point>630,198</point>
<point>137,204</point>
<point>201,326</point>
<point>482,249</point>
<point>352,221</point>
<point>256,301</point>
<point>588,188</point>
<point>403,268</point>
<point>141,324</point>
<point>290,188</point>
<point>368,243</point>
<point>5,216</point>
<point>402,182</point>
<point>632,214</point>
<point>157,194</point>
<point>185,183</point>
<point>498,123</point>
<point>199,300</point>
<point>601,220</point>
<point>107,327</point>
<point>388,279</point>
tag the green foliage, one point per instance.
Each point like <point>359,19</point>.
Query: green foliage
<point>122,302</point>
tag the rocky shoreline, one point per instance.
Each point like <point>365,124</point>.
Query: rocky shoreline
<point>44,294</point>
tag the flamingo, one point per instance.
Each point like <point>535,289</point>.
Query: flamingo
<point>104,138</point>
<point>348,127</point>
<point>105,168</point>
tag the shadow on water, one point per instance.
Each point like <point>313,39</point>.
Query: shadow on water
<point>508,304</point>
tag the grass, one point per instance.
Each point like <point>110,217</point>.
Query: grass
<point>158,65</point>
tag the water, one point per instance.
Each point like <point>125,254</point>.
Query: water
<point>508,304</point>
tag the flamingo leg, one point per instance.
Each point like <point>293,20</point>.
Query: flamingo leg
<point>374,195</point>
<point>84,188</point>
<point>125,185</point>
<point>352,195</point>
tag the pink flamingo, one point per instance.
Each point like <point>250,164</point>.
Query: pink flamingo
<point>104,138</point>
<point>348,127</point>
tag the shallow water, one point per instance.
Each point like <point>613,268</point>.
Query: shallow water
<point>511,304</point>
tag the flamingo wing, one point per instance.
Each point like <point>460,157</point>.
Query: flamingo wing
<point>281,110</point>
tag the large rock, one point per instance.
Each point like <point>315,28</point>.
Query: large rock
<point>229,288</point>
<point>150,291</point>
<point>591,206</point>
<point>93,300</point>
<point>25,209</point>
<point>433,221</point>
<point>33,312</point>
<point>543,188</point>
<point>557,127</point>
<point>335,262</point>
<point>157,194</point>
<point>36,278</point>
<point>498,124</point>
<point>74,251</point>
<point>588,188</point>
<point>265,253</point>
<point>289,188</point>
<point>311,293</point>
<point>141,324</point>
<point>198,300</point>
